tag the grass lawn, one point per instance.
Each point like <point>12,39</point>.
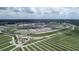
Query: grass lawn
<point>67,41</point>
<point>4,41</point>
<point>49,33</point>
<point>9,48</point>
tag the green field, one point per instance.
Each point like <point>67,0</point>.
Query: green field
<point>64,40</point>
<point>5,42</point>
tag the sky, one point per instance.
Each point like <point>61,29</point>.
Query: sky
<point>39,12</point>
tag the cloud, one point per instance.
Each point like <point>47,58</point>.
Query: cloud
<point>3,8</point>
<point>21,9</point>
<point>39,13</point>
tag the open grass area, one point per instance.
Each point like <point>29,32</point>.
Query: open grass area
<point>67,40</point>
<point>8,48</point>
<point>50,33</point>
<point>5,42</point>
